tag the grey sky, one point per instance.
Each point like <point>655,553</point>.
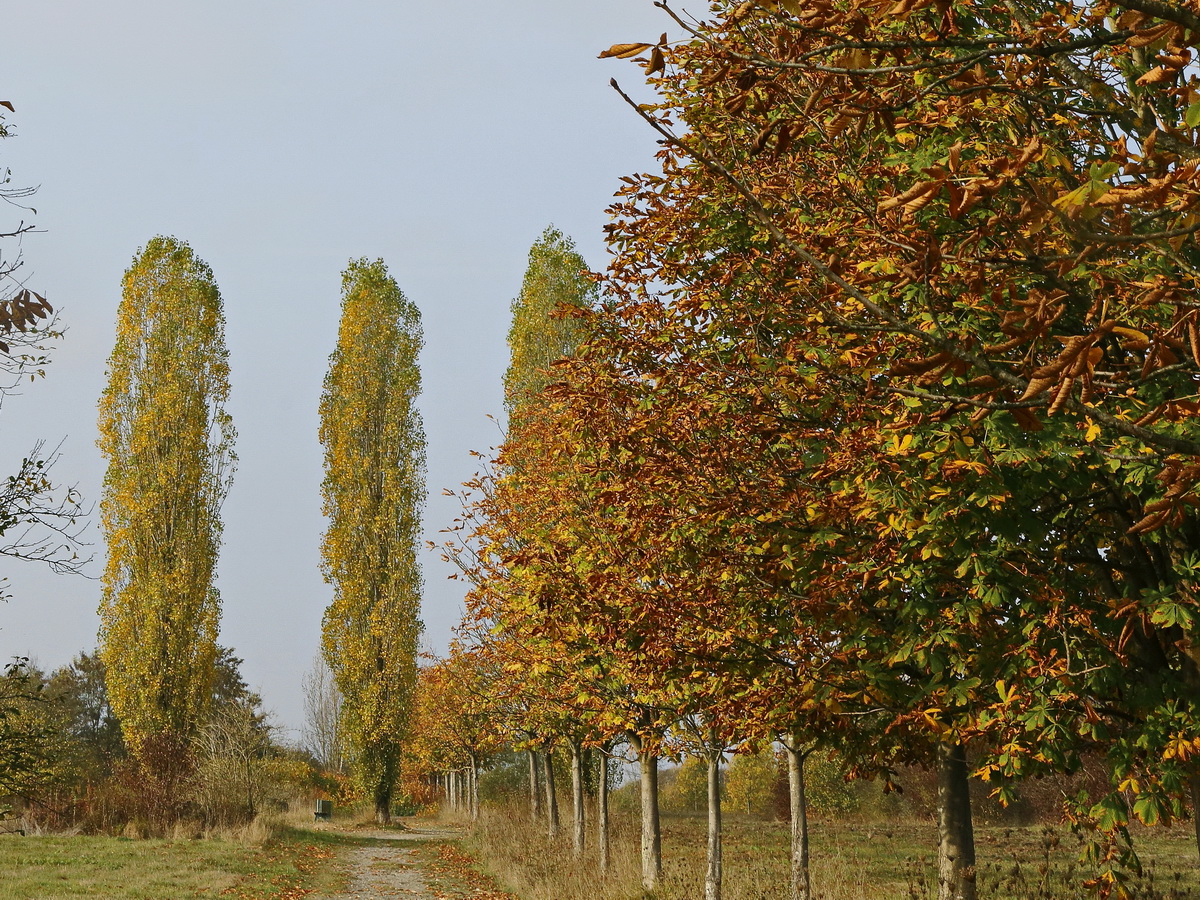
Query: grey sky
<point>280,139</point>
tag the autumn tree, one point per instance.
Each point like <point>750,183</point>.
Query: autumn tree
<point>373,491</point>
<point>169,445</point>
<point>543,329</point>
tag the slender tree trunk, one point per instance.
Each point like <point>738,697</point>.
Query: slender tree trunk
<point>474,787</point>
<point>602,811</point>
<point>1195,784</point>
<point>577,833</point>
<point>535,787</point>
<point>956,836</point>
<point>712,878</point>
<point>801,888</point>
<point>651,835</point>
<point>551,794</point>
<point>454,790</point>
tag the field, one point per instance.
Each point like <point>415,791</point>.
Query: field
<point>115,868</point>
<point>849,862</point>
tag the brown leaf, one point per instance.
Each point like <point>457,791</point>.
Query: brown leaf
<point>1027,420</point>
<point>657,63</point>
<point>1150,522</point>
<point>1157,75</point>
<point>1148,35</point>
<point>913,199</point>
<point>624,51</point>
<point>783,141</point>
<point>760,139</point>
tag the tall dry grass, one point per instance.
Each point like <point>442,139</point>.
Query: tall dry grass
<point>850,861</point>
<point>520,856</point>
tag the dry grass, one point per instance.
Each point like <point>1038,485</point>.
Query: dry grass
<point>850,862</point>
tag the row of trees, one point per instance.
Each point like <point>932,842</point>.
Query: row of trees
<point>883,438</point>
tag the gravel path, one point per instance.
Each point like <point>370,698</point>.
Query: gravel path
<point>394,865</point>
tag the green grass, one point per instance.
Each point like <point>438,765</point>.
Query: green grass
<point>52,867</point>
<point>849,862</point>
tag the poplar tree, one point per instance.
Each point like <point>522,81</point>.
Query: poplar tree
<point>374,486</point>
<point>543,329</point>
<point>169,445</point>
<point>546,328</point>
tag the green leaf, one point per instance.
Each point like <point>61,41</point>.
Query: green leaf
<point>1192,116</point>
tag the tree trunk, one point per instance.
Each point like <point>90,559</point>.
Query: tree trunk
<point>453,776</point>
<point>801,888</point>
<point>1195,785</point>
<point>602,811</point>
<point>651,835</point>
<point>551,794</point>
<point>956,836</point>
<point>577,833</point>
<point>712,878</point>
<point>474,787</point>
<point>535,787</point>
<point>383,805</point>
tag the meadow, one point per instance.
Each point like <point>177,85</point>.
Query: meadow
<point>850,861</point>
<point>263,862</point>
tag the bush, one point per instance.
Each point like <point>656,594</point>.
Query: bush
<point>750,783</point>
<point>232,775</point>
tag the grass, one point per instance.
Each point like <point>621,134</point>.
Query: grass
<point>849,862</point>
<point>286,866</point>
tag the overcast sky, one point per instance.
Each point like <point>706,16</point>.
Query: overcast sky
<point>280,139</point>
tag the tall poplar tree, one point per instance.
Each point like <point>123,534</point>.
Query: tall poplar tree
<point>542,328</point>
<point>169,445</point>
<point>545,329</point>
<point>373,489</point>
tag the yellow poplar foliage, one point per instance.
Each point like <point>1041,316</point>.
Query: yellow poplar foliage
<point>169,446</point>
<point>373,491</point>
<point>543,330</point>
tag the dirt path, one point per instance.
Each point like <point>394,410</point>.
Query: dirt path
<point>410,864</point>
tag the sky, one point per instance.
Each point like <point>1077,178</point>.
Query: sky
<point>281,139</point>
